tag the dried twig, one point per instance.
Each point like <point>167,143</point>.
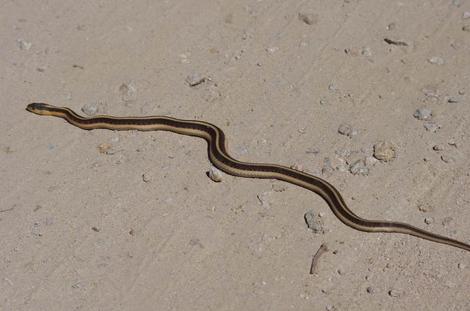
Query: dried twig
<point>323,249</point>
<point>394,42</point>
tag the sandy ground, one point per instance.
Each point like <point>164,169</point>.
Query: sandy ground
<point>102,220</point>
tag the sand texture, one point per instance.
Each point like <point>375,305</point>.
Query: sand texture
<point>105,220</point>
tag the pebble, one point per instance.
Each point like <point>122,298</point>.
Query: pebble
<point>146,178</point>
<point>428,220</point>
<point>384,151</point>
<point>431,126</point>
<point>195,79</point>
<point>184,58</point>
<point>436,60</point>
<point>461,265</point>
<point>347,130</point>
<point>272,50</point>
<point>105,148</point>
<point>24,45</point>
<point>327,168</point>
<point>90,109</point>
<point>93,109</point>
<point>359,167</point>
<point>366,51</point>
<point>437,148</point>
<point>127,91</point>
<point>370,290</point>
<point>466,28</point>
<point>466,15</point>
<point>425,207</point>
<point>394,293</point>
<point>215,174</point>
<point>391,26</point>
<point>341,164</point>
<point>313,222</point>
<point>423,114</point>
<point>308,18</point>
<point>431,91</point>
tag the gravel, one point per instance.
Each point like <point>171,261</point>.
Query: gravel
<point>423,114</point>
<point>384,151</point>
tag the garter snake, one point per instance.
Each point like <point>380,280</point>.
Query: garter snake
<point>219,156</point>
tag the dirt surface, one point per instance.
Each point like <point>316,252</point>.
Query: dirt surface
<point>102,220</point>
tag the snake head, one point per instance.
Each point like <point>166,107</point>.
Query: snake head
<point>39,108</point>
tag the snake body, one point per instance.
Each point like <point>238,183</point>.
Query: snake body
<point>220,158</point>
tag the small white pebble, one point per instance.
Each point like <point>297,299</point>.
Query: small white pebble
<point>146,178</point>
<point>394,293</point>
<point>359,168</point>
<point>391,26</point>
<point>92,109</point>
<point>347,130</point>
<point>127,91</point>
<point>466,15</point>
<point>272,50</point>
<point>436,60</point>
<point>195,79</point>
<point>24,45</point>
<point>423,114</point>
<point>313,222</point>
<point>366,51</point>
<point>341,164</point>
<point>428,220</point>
<point>431,126</point>
<point>215,174</point>
<point>327,168</point>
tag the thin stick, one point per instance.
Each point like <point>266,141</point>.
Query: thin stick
<point>323,249</point>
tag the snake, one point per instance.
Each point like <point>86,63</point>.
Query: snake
<point>221,159</point>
